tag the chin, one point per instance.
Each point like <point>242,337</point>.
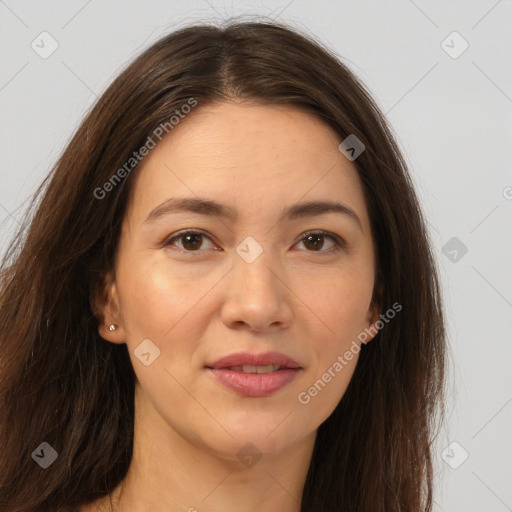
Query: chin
<point>263,438</point>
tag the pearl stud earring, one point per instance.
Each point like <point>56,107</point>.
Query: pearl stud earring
<point>113,327</point>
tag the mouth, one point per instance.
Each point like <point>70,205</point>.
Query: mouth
<point>248,368</point>
<point>254,375</point>
<point>247,362</point>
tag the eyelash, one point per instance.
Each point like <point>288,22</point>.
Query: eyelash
<point>340,243</point>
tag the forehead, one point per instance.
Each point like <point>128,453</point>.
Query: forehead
<point>259,157</point>
<point>231,130</point>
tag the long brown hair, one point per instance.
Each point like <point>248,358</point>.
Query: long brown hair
<point>62,384</point>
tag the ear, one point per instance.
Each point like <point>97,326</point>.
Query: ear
<point>373,316</point>
<point>105,305</point>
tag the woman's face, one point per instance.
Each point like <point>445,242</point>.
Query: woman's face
<point>253,281</point>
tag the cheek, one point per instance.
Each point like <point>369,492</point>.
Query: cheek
<point>159,304</point>
<point>157,298</point>
<point>342,301</point>
<point>343,308</point>
<point>170,306</point>
<point>323,392</point>
<point>149,302</point>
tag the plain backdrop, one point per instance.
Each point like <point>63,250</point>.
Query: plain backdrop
<point>442,73</point>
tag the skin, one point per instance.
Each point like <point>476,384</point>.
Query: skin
<point>196,307</point>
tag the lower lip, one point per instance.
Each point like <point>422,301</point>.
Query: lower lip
<point>254,384</point>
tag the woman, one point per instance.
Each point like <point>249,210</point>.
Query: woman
<point>226,298</point>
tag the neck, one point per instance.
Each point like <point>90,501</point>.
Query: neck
<point>170,471</point>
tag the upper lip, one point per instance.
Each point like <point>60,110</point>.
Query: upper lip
<point>264,359</point>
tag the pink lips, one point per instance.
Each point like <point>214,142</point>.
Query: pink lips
<point>255,384</point>
<point>241,358</point>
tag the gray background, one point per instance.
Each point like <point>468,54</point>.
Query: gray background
<point>452,117</point>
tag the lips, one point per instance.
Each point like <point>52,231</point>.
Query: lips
<point>254,375</point>
<point>247,359</point>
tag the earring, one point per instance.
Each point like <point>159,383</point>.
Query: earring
<point>113,327</point>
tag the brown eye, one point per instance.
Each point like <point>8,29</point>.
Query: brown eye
<point>315,241</point>
<point>191,240</point>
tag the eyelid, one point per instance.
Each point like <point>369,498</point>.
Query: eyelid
<point>168,241</point>
<point>339,241</point>
<point>328,234</point>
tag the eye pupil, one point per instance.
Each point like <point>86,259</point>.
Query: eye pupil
<point>195,237</point>
<point>316,244</point>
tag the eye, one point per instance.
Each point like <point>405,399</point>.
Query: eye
<point>191,240</point>
<point>312,240</point>
<point>315,241</point>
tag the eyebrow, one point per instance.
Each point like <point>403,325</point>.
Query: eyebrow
<point>208,207</point>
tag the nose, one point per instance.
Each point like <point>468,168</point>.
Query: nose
<point>257,297</point>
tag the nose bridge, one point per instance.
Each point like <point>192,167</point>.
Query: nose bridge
<point>256,268</point>
<point>256,295</point>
